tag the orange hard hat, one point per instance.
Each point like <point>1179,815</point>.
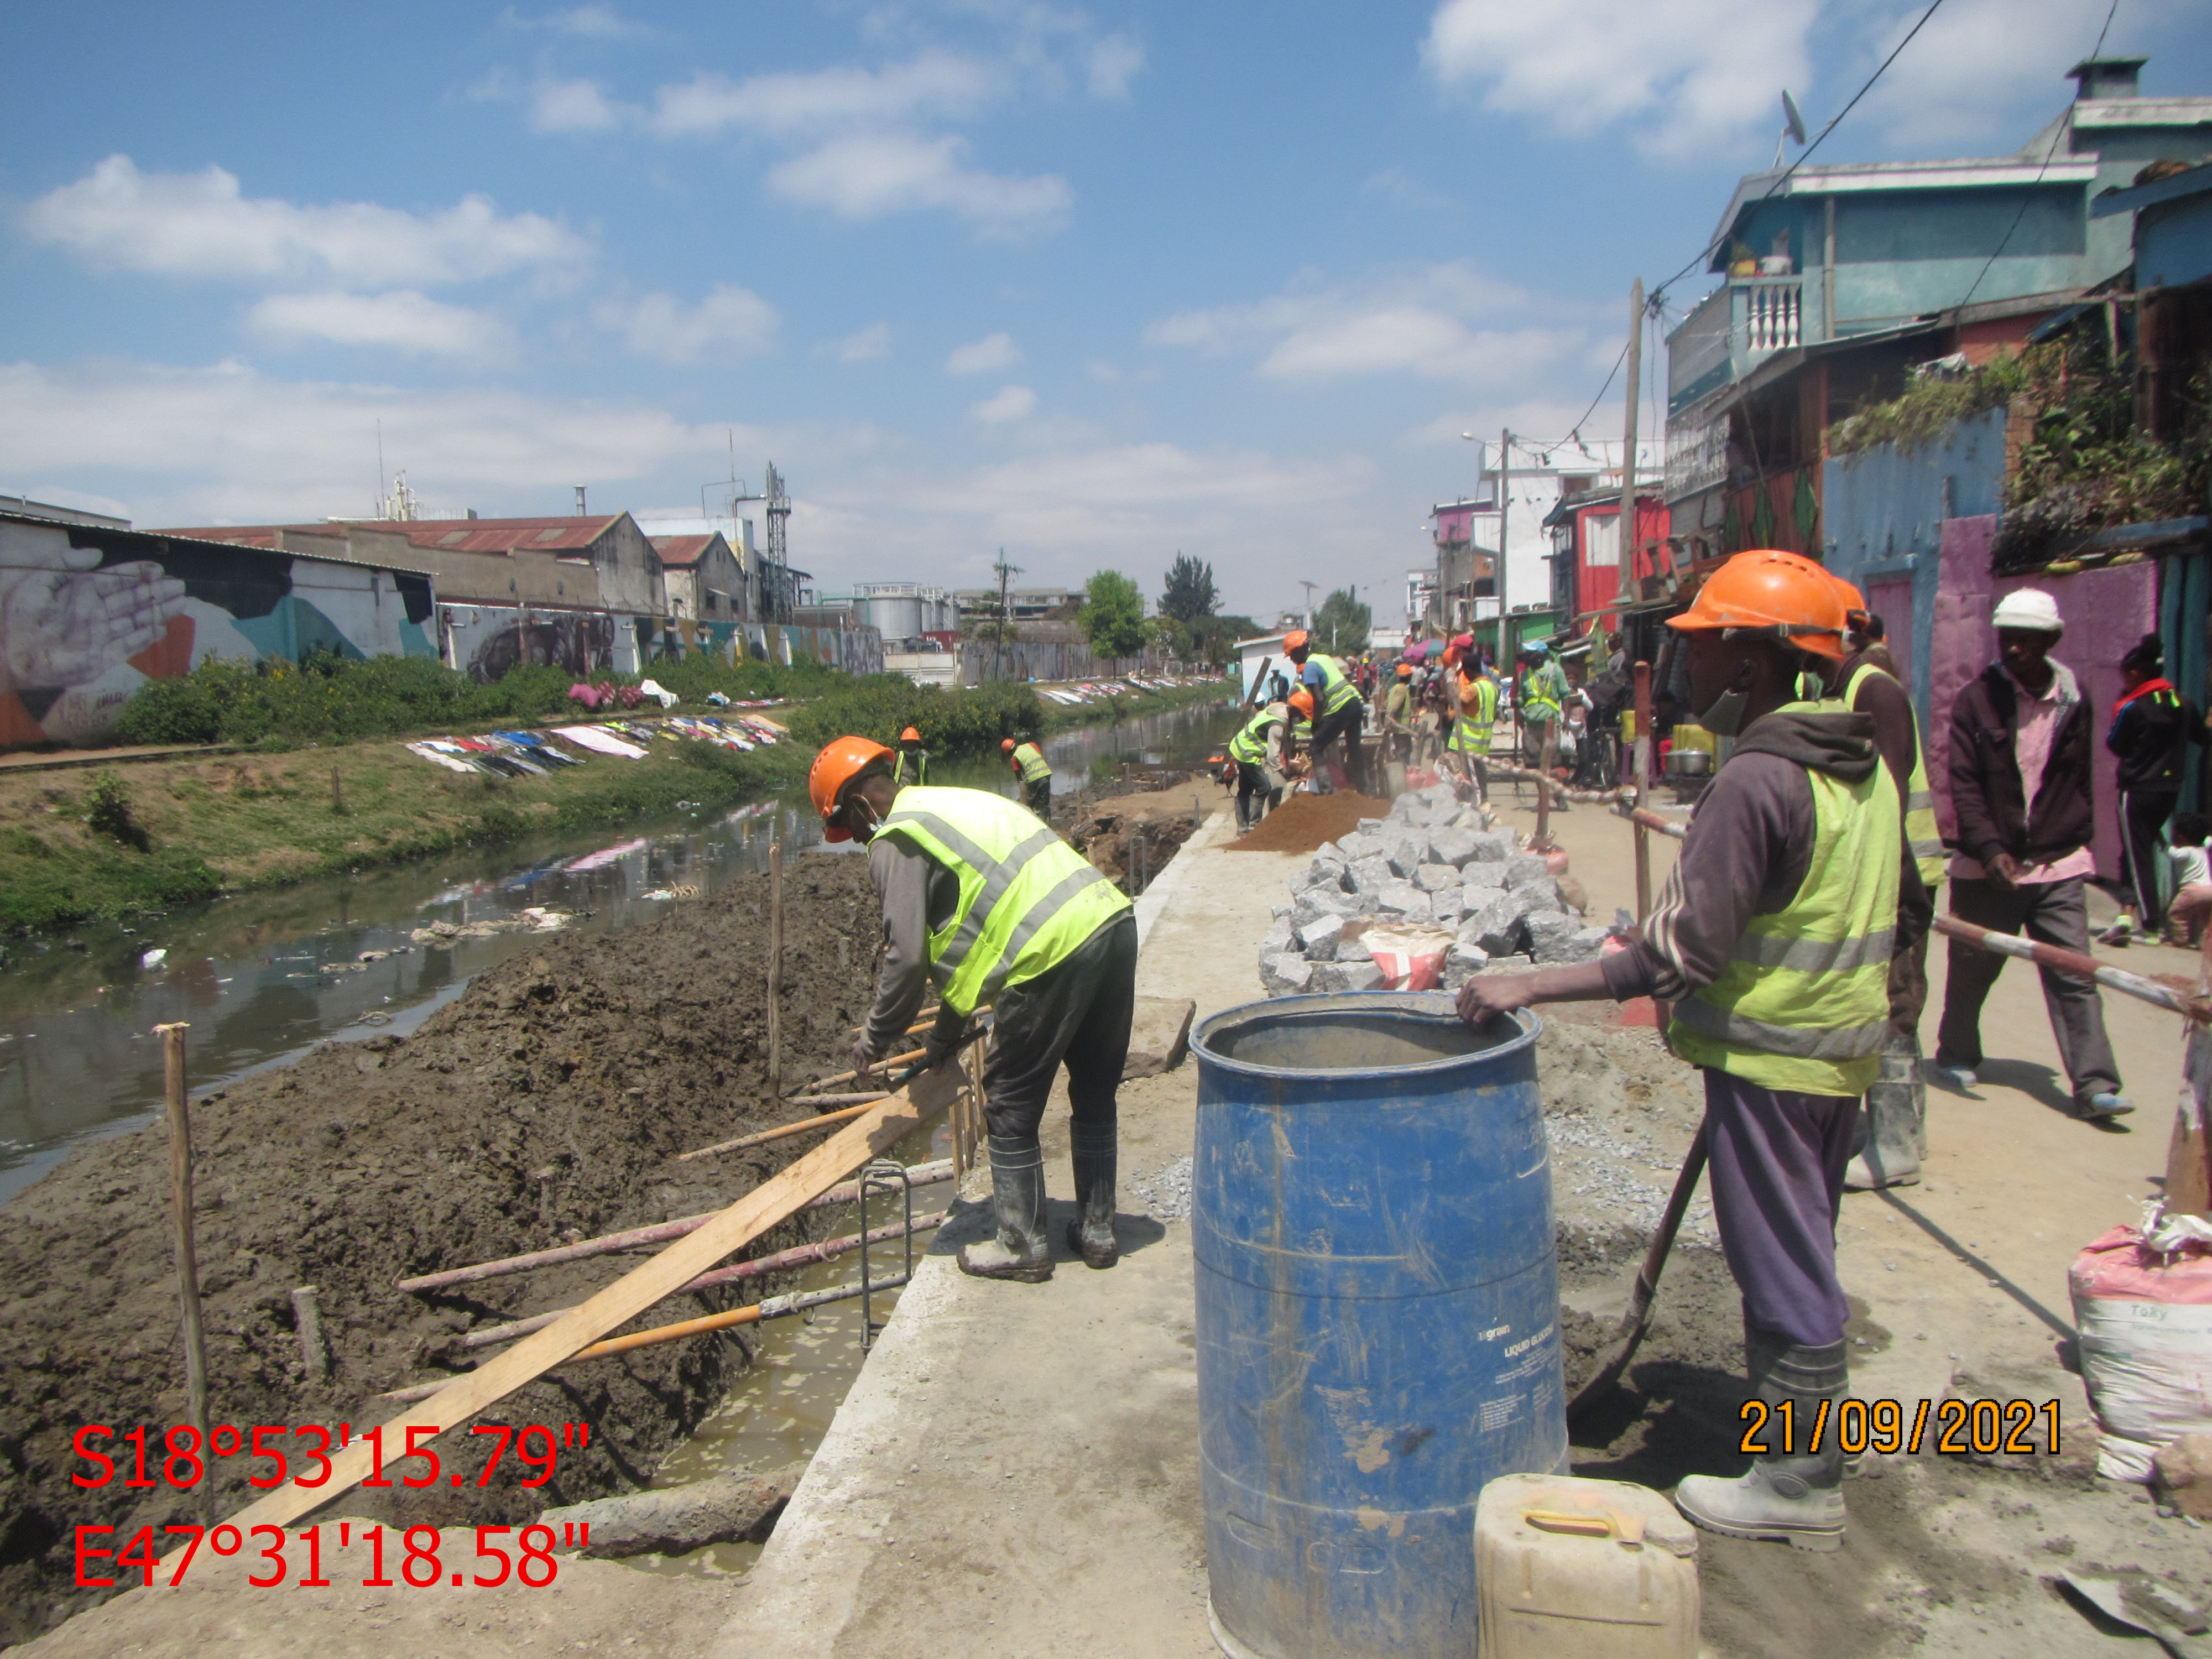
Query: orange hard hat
<point>1855,606</point>
<point>841,761</point>
<point>1006,745</point>
<point>909,736</point>
<point>1296,640</point>
<point>1405,671</point>
<point>1785,597</point>
<point>1302,701</point>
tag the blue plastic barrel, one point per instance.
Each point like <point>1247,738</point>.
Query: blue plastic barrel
<point>1377,1315</point>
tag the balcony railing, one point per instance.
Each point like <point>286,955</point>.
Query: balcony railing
<point>1737,328</point>
<point>1766,313</point>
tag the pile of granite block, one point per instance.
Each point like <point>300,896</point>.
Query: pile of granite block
<point>1436,866</point>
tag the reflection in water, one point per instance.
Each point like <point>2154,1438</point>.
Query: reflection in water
<point>262,977</point>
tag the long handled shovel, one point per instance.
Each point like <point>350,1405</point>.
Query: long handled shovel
<point>1638,1319</point>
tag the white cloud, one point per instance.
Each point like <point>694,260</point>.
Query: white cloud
<point>1689,74</point>
<point>594,22</point>
<point>571,106</point>
<point>199,224</point>
<point>728,322</point>
<point>403,320</point>
<point>984,356</point>
<point>867,176</point>
<point>1401,189</point>
<point>869,343</point>
<point>1435,321</point>
<point>1113,62</point>
<point>227,445</point>
<point>1008,403</point>
<point>934,84</point>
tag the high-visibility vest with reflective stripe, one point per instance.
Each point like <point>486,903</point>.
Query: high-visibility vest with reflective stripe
<point>1803,1004</point>
<point>1250,744</point>
<point>1471,732</point>
<point>1031,760</point>
<point>1922,832</point>
<point>1028,900</point>
<point>1337,691</point>
<point>1542,687</point>
<point>914,761</point>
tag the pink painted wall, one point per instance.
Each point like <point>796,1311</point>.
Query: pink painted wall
<point>2105,611</point>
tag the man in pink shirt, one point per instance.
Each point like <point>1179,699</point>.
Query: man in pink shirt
<point>2024,798</point>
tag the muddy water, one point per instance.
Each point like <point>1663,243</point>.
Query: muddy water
<point>262,977</point>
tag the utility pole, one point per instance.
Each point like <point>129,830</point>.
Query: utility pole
<point>1505,606</point>
<point>1309,587</point>
<point>1627,589</point>
<point>1006,573</point>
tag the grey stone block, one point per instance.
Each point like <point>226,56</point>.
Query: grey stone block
<point>1491,847</point>
<point>1488,877</point>
<point>1287,975</point>
<point>1327,872</point>
<point>1448,906</point>
<point>1548,933</point>
<point>1329,849</point>
<point>1472,818</point>
<point>1355,949</point>
<point>1526,870</point>
<point>1337,977</point>
<point>1449,846</point>
<point>1372,875</point>
<point>1353,847</point>
<point>1318,938</point>
<point>1497,925</point>
<point>1587,944</point>
<point>1399,897</point>
<point>1467,956</point>
<point>1435,877</point>
<point>1320,901</point>
<point>1409,854</point>
<point>1368,826</point>
<point>1277,940</point>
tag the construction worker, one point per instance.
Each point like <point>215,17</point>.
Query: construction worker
<point>1342,713</point>
<point>913,759</point>
<point>1542,703</point>
<point>1772,939</point>
<point>2023,797</point>
<point>1036,774</point>
<point>1894,1132</point>
<point>1475,717</point>
<point>1261,751</point>
<point>1398,716</point>
<point>998,911</point>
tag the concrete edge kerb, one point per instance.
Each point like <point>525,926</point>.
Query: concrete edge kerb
<point>1176,871</point>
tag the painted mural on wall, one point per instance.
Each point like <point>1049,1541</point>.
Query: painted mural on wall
<point>88,614</point>
<point>486,641</point>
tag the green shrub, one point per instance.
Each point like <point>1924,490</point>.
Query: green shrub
<point>111,814</point>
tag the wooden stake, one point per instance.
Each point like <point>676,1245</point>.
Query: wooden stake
<point>843,1115</point>
<point>309,1319</point>
<point>188,1266</point>
<point>776,969</point>
<point>1644,749</point>
<point>885,1125</point>
<point>338,793</point>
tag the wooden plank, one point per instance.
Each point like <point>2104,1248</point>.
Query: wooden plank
<point>883,1127</point>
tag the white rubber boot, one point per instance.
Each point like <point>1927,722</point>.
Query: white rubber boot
<point>1791,1495</point>
<point>1893,1132</point>
<point>1020,1251</point>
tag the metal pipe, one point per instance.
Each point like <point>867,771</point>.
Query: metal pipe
<point>188,1268</point>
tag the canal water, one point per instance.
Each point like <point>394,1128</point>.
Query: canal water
<point>263,976</point>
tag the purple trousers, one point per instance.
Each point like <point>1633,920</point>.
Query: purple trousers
<point>1777,1166</point>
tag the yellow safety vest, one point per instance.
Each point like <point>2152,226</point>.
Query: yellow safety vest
<point>919,761</point>
<point>1471,734</point>
<point>1921,829</point>
<point>1249,745</point>
<point>1031,760</point>
<point>1542,687</point>
<point>1337,691</point>
<point>1028,900</point>
<point>1803,1004</point>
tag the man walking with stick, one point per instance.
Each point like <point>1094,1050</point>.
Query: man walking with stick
<point>995,910</point>
<point>1772,939</point>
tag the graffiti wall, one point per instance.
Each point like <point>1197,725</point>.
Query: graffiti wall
<point>88,614</point>
<point>486,641</point>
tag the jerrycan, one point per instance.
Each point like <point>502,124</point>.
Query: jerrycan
<point>1571,1569</point>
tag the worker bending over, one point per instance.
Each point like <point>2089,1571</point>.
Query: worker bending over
<point>1893,1133</point>
<point>1261,751</point>
<point>1036,774</point>
<point>1475,694</point>
<point>997,910</point>
<point>1339,711</point>
<point>1772,938</point>
<point>913,765</point>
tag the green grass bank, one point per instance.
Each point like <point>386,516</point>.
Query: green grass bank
<point>79,844</point>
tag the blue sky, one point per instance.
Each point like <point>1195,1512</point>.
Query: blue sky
<point>1091,284</point>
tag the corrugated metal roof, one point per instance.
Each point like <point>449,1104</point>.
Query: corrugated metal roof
<point>680,552</point>
<point>494,535</point>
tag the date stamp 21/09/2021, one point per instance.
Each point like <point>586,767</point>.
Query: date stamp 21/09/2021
<point>1963,1428</point>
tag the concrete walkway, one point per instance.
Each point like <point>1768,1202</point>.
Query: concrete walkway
<point>1019,1463</point>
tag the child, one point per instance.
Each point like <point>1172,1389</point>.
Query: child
<point>2192,876</point>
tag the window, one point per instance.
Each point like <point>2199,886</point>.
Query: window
<point>1602,540</point>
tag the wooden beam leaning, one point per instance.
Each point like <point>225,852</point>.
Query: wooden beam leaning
<point>885,1124</point>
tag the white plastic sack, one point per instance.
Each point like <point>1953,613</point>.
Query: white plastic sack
<point>2145,1316</point>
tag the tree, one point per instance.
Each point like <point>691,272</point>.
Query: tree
<point>1341,625</point>
<point>1113,615</point>
<point>1214,638</point>
<point>1188,593</point>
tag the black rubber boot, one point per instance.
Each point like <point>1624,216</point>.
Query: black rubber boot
<point>1092,1234</point>
<point>1020,1251</point>
<point>1792,1494</point>
<point>1893,1129</point>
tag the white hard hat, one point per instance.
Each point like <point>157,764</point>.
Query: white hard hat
<point>2029,608</point>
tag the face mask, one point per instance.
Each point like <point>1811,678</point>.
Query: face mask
<point>1725,718</point>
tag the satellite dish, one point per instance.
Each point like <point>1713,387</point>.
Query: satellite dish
<point>1793,122</point>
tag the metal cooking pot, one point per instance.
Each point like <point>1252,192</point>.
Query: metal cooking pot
<point>1690,762</point>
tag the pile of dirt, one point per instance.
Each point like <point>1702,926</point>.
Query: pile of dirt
<point>1107,834</point>
<point>1304,821</point>
<point>545,1104</point>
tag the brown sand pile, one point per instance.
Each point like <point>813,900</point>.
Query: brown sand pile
<point>546,1103</point>
<point>1304,821</point>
